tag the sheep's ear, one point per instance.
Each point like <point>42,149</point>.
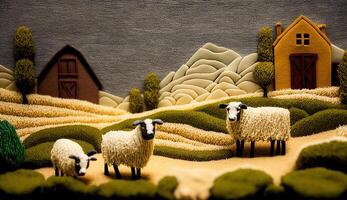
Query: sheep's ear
<point>223,105</point>
<point>137,122</point>
<point>91,152</point>
<point>77,159</point>
<point>93,159</point>
<point>158,121</point>
<point>243,106</point>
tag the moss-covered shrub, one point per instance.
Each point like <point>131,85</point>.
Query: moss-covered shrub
<point>40,155</point>
<point>151,91</point>
<point>274,192</point>
<point>135,101</point>
<point>186,117</point>
<point>264,47</point>
<point>319,122</point>
<point>21,184</point>
<point>264,74</point>
<point>331,155</point>
<point>315,183</point>
<point>67,187</point>
<point>342,74</point>
<point>123,189</point>
<point>166,187</point>
<point>24,76</point>
<point>240,184</point>
<point>192,155</point>
<point>23,44</point>
<point>85,133</point>
<point>297,114</point>
<point>11,149</point>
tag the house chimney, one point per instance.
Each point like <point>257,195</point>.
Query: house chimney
<point>278,29</point>
<point>323,28</point>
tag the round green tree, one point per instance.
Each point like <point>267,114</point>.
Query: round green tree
<point>151,91</point>
<point>11,149</point>
<point>264,74</point>
<point>24,75</point>
<point>23,44</point>
<point>342,73</point>
<point>135,101</point>
<point>264,47</point>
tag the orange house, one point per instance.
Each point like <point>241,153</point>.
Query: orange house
<point>302,55</point>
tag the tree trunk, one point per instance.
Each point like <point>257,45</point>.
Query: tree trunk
<point>265,91</point>
<point>24,99</point>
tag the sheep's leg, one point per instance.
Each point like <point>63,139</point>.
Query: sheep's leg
<point>238,148</point>
<point>242,147</point>
<point>272,148</point>
<point>56,171</point>
<point>106,172</point>
<point>116,170</point>
<point>278,150</point>
<point>133,175</point>
<point>283,152</point>
<point>251,155</point>
<point>138,173</point>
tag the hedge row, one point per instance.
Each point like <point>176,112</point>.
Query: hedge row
<point>28,184</point>
<point>331,155</point>
<point>315,183</point>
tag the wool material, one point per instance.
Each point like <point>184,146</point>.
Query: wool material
<point>127,148</point>
<point>261,124</point>
<point>62,149</point>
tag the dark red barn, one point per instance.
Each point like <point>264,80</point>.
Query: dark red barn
<point>68,75</point>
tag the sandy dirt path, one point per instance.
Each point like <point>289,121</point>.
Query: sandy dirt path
<point>195,178</point>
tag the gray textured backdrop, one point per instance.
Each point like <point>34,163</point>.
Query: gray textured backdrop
<point>124,40</point>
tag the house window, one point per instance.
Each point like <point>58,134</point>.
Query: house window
<point>302,39</point>
<point>306,39</point>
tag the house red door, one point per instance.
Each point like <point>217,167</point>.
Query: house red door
<point>303,70</point>
<point>68,78</point>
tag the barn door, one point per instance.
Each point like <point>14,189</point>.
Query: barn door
<point>68,78</point>
<point>303,71</point>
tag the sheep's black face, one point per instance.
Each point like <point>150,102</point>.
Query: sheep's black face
<point>148,128</point>
<point>82,162</point>
<point>234,110</point>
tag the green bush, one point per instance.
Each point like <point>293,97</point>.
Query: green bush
<point>296,115</point>
<point>186,117</point>
<point>319,122</point>
<point>23,44</point>
<point>240,184</point>
<point>274,192</point>
<point>24,76</point>
<point>67,187</point>
<point>40,155</point>
<point>85,133</point>
<point>11,149</point>
<point>166,187</point>
<point>264,47</point>
<point>331,155</point>
<point>264,74</point>
<point>124,189</point>
<point>135,101</point>
<point>151,91</point>
<point>21,184</point>
<point>192,155</point>
<point>315,183</point>
<point>342,73</point>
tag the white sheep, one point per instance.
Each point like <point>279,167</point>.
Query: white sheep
<point>69,159</point>
<point>257,124</point>
<point>131,148</point>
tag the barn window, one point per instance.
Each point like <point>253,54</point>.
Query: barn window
<point>298,39</point>
<point>67,67</point>
<point>306,39</point>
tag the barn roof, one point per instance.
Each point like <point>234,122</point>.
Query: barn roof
<point>72,50</point>
<point>296,21</point>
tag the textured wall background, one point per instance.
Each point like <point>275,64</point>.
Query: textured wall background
<point>124,40</point>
